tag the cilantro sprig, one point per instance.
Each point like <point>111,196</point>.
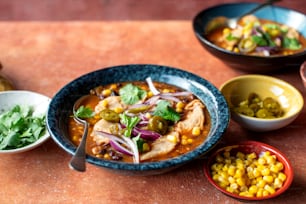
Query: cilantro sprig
<point>164,110</point>
<point>131,94</point>
<point>84,112</point>
<point>18,127</point>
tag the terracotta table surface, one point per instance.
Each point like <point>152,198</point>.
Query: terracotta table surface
<point>44,56</point>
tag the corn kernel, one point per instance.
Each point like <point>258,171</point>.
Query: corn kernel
<point>251,156</point>
<point>113,86</point>
<point>269,189</point>
<point>265,193</point>
<point>280,165</point>
<point>118,109</point>
<point>145,147</point>
<point>166,91</point>
<point>226,31</point>
<point>196,131</point>
<point>179,110</point>
<point>253,189</point>
<point>240,155</point>
<point>265,172</point>
<point>261,183</point>
<point>104,103</point>
<point>261,161</point>
<point>259,192</point>
<point>278,183</point>
<point>106,92</point>
<point>282,176</point>
<point>106,156</point>
<point>149,94</point>
<point>180,104</point>
<point>172,138</point>
<point>236,49</point>
<point>189,140</point>
<point>231,170</point>
<point>268,179</point>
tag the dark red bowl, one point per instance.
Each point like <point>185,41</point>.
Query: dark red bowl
<point>250,147</point>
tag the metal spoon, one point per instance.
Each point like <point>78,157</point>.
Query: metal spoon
<point>78,161</point>
<point>233,22</point>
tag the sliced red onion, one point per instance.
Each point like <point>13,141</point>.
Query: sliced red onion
<point>153,100</point>
<point>146,134</point>
<point>181,93</point>
<point>118,147</point>
<point>133,147</point>
<point>169,98</point>
<point>151,86</point>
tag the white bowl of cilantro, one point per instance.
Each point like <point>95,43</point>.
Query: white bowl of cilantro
<point>22,120</point>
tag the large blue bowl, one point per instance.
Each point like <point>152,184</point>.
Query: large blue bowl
<point>254,64</point>
<point>60,110</point>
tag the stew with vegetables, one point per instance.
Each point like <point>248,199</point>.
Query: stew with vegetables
<point>141,121</point>
<point>259,37</point>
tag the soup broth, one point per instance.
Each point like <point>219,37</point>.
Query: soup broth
<point>170,122</point>
<point>259,37</point>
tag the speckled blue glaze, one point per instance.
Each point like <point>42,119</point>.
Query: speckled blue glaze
<point>61,106</point>
<point>255,64</point>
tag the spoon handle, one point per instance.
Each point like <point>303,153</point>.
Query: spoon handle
<point>77,162</point>
<point>268,2</point>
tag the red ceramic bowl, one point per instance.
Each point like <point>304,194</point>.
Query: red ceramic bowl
<point>303,73</point>
<point>250,147</point>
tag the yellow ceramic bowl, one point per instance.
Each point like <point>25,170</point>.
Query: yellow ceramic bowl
<point>238,89</point>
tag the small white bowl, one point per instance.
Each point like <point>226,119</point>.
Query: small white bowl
<point>237,89</point>
<point>40,103</point>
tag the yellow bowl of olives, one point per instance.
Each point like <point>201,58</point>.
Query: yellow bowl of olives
<point>262,103</point>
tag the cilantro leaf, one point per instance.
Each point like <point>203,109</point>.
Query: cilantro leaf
<point>129,122</point>
<point>291,43</point>
<point>84,112</point>
<point>131,94</point>
<point>231,37</point>
<point>164,110</point>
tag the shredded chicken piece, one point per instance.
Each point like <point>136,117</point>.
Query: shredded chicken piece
<point>165,144</point>
<point>112,103</point>
<point>162,146</point>
<point>194,118</point>
<point>101,125</point>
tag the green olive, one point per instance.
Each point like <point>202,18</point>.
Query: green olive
<point>270,104</point>
<point>158,124</point>
<point>110,115</point>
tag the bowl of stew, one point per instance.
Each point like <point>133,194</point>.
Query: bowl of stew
<point>144,119</point>
<point>262,103</point>
<point>271,39</point>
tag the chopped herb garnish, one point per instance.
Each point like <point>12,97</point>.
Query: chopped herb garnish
<point>84,112</point>
<point>164,110</point>
<point>291,43</point>
<point>231,37</point>
<point>131,94</point>
<point>18,127</point>
<point>129,123</point>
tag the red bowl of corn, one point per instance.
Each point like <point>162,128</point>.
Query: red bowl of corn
<point>250,170</point>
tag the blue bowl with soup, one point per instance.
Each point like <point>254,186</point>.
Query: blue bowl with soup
<point>273,38</point>
<point>144,119</point>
